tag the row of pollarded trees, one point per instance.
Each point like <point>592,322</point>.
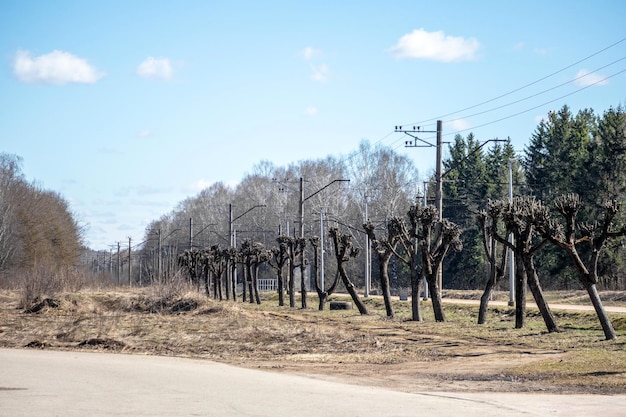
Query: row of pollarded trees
<point>531,225</point>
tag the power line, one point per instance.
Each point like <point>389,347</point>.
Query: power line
<point>541,92</point>
<point>535,107</point>
<point>519,88</point>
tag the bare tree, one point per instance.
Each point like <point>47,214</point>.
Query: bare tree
<point>496,270</point>
<point>384,249</point>
<point>279,256</point>
<point>344,252</point>
<point>570,235</point>
<point>520,217</point>
<point>327,291</point>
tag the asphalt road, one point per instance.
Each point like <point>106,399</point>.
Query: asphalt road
<point>50,383</point>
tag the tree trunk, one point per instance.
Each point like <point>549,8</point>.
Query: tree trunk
<point>383,268</point>
<point>535,289</point>
<point>303,293</point>
<point>350,288</point>
<point>484,301</point>
<point>255,283</point>
<point>233,277</point>
<point>435,295</point>
<point>605,321</point>
<point>520,291</point>
<point>416,279</point>
<point>290,287</point>
<point>323,296</point>
<point>281,287</point>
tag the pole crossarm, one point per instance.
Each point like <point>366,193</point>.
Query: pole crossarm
<point>324,187</point>
<point>413,133</point>
<point>248,211</point>
<point>470,154</point>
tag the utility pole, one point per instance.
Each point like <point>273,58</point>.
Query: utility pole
<point>438,167</point>
<point>119,266</point>
<point>130,284</point>
<point>322,249</point>
<point>159,259</point>
<point>368,268</point>
<point>511,258</point>
<point>190,233</point>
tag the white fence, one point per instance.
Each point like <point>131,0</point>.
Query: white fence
<point>268,285</point>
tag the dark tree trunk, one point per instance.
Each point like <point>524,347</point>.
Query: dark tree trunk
<point>535,289</point>
<point>351,290</point>
<point>605,321</point>
<point>303,293</point>
<point>520,291</point>
<point>435,295</point>
<point>281,287</point>
<point>416,279</point>
<point>255,283</point>
<point>383,268</point>
<point>290,286</point>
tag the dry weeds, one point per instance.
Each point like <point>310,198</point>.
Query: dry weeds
<point>373,350</point>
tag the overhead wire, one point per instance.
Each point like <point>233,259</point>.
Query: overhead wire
<point>519,88</point>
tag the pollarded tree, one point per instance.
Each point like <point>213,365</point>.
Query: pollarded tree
<point>571,236</point>
<point>384,249</point>
<point>279,256</point>
<point>344,252</point>
<point>253,255</point>
<point>519,218</point>
<point>407,237</point>
<point>436,237</point>
<point>322,294</point>
<point>496,270</point>
<point>296,246</point>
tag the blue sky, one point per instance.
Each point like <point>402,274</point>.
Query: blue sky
<point>128,107</point>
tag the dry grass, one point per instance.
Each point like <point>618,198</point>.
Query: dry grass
<point>397,353</point>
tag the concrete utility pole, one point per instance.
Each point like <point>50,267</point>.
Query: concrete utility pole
<point>368,259</point>
<point>190,233</point>
<point>511,258</point>
<point>301,214</point>
<point>130,284</point>
<point>438,166</point>
<point>119,267</point>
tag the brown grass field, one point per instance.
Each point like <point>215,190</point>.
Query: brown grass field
<point>456,355</point>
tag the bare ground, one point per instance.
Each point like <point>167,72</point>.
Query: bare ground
<point>457,355</point>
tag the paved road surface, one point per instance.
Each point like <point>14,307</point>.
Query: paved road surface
<point>49,383</point>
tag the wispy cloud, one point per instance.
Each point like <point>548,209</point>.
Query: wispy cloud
<point>311,111</point>
<point>586,78</point>
<point>319,72</point>
<point>144,133</point>
<point>309,53</point>
<point>435,46</point>
<point>458,125</point>
<point>57,67</point>
<point>156,68</point>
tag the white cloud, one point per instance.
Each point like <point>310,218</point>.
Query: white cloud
<point>586,78</point>
<point>57,67</point>
<point>319,72</point>
<point>144,133</point>
<point>157,68</point>
<point>309,53</point>
<point>458,125</point>
<point>311,111</point>
<point>435,46</point>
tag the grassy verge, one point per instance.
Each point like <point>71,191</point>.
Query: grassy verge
<point>397,353</point>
